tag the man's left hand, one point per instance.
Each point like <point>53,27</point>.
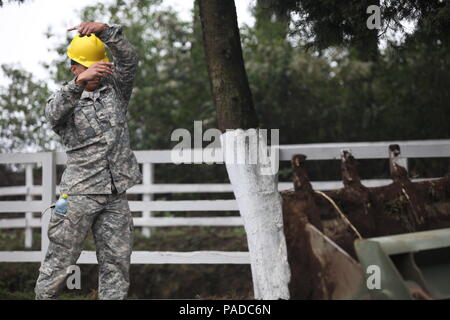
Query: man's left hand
<point>86,28</point>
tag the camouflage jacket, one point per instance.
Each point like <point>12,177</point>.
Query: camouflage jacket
<point>93,125</point>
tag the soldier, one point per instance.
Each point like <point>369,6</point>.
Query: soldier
<point>89,113</point>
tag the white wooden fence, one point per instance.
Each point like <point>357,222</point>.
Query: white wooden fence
<point>48,190</point>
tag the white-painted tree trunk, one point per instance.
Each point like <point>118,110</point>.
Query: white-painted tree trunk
<point>255,187</point>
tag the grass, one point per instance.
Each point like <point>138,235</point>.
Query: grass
<point>183,281</point>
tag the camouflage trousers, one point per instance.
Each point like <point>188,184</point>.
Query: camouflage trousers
<point>111,222</point>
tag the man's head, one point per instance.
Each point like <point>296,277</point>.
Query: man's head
<point>77,69</point>
<point>83,52</point>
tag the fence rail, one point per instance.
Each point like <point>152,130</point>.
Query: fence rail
<point>48,190</point>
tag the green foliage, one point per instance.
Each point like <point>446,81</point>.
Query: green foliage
<point>334,96</point>
<point>325,23</point>
<point>22,121</point>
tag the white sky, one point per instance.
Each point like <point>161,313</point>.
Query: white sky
<point>22,28</point>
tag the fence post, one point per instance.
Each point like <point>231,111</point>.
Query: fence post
<point>147,172</point>
<point>48,196</point>
<point>28,197</point>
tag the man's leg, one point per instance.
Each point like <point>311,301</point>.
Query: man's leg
<point>66,234</point>
<point>113,233</point>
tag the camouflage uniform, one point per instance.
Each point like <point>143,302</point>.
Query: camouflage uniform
<point>111,222</point>
<point>100,168</point>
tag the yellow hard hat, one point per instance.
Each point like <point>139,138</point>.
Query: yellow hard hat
<point>87,50</point>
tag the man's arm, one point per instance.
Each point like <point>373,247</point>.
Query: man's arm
<point>125,58</point>
<point>62,103</point>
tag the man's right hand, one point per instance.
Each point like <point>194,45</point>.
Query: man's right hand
<point>96,71</point>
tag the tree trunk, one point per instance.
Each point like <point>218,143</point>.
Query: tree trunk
<point>256,192</point>
<point>365,40</point>
<point>228,78</point>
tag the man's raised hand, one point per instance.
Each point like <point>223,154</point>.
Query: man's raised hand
<point>96,71</point>
<point>86,28</point>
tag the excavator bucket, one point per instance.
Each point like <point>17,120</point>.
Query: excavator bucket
<point>411,266</point>
<point>337,267</point>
